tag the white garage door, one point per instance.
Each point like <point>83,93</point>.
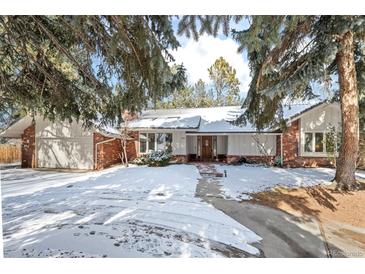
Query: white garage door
<point>65,152</point>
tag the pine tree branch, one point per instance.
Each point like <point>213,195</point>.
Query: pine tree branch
<point>64,51</point>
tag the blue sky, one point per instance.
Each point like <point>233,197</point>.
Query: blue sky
<point>198,56</point>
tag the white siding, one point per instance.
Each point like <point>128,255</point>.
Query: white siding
<point>318,120</point>
<point>178,143</point>
<point>191,144</point>
<point>63,145</point>
<point>247,145</point>
<point>222,144</point>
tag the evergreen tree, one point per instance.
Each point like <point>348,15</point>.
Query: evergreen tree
<point>203,97</point>
<point>288,53</point>
<point>196,96</point>
<point>76,67</point>
<point>180,98</point>
<point>225,83</point>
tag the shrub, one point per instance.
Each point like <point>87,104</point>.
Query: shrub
<point>155,158</point>
<point>140,161</point>
<point>277,161</point>
<point>159,158</point>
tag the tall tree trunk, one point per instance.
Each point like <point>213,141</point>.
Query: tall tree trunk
<point>125,153</point>
<point>346,165</point>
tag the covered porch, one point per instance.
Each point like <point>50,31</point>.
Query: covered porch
<point>231,147</point>
<point>206,147</point>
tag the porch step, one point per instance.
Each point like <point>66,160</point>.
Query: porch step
<point>208,170</point>
<point>211,174</point>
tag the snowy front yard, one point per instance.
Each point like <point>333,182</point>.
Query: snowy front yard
<point>118,212</point>
<point>246,179</point>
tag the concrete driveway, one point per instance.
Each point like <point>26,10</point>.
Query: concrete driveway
<point>283,235</point>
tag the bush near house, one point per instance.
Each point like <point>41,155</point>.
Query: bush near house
<point>140,161</point>
<point>155,158</point>
<point>278,161</point>
<point>159,158</point>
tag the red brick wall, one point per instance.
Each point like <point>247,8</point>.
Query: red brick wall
<point>311,162</point>
<point>278,145</point>
<point>252,159</point>
<point>179,158</point>
<point>291,143</point>
<point>106,154</point>
<point>28,147</point>
<point>291,156</point>
<point>132,151</point>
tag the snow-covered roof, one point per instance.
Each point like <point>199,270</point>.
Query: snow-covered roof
<point>175,122</point>
<point>293,110</point>
<point>199,120</point>
<point>208,120</point>
<point>17,129</point>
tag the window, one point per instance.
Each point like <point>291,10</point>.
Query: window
<point>160,141</point>
<point>164,141</point>
<point>168,141</point>
<point>142,142</point>
<point>314,142</point>
<point>308,142</point>
<point>149,142</point>
<point>318,142</point>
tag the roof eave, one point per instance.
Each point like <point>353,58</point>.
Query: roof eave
<point>13,132</point>
<point>231,132</point>
<point>163,128</point>
<point>300,114</point>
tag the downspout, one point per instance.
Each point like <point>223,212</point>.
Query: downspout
<point>96,151</point>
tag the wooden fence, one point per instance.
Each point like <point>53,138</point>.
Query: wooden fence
<point>10,153</point>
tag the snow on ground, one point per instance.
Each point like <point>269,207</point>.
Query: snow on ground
<point>118,212</point>
<point>9,165</point>
<point>245,179</point>
<point>360,174</point>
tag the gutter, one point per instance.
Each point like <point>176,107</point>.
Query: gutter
<point>96,150</point>
<point>230,133</point>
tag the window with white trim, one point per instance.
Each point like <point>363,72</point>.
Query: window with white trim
<point>149,142</point>
<point>308,142</point>
<point>142,142</point>
<point>314,142</point>
<point>318,141</point>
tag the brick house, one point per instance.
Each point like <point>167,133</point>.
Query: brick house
<point>47,144</point>
<point>200,134</point>
<point>207,134</point>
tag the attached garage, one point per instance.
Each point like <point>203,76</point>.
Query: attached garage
<point>64,153</point>
<point>63,145</point>
<point>47,144</point>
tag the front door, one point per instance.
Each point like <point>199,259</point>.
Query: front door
<point>207,148</point>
